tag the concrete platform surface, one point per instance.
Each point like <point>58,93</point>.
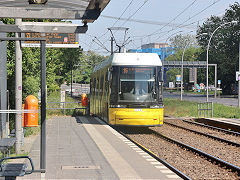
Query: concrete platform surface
<point>86,148</point>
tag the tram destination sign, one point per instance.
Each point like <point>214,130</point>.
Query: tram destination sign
<point>53,40</point>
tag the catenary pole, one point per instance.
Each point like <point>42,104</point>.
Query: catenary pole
<point>18,90</point>
<point>43,105</point>
<point>238,77</point>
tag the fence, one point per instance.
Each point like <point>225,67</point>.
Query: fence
<point>204,109</point>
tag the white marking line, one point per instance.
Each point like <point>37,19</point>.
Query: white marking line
<point>120,165</point>
<point>173,176</point>
<point>153,160</point>
<point>147,156</point>
<point>140,151</point>
<point>167,171</point>
<point>161,167</point>
<point>135,149</point>
<point>133,146</point>
<point>129,143</point>
<point>143,154</point>
<point>154,163</point>
<point>42,176</point>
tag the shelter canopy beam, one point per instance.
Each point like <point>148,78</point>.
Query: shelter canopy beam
<point>42,28</point>
<point>86,10</point>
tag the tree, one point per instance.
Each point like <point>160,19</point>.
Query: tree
<point>180,41</point>
<point>191,53</point>
<point>224,44</point>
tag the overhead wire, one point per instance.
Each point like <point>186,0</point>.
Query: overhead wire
<point>116,21</point>
<point>178,15</point>
<point>117,18</point>
<point>143,21</point>
<point>169,23</point>
<point>134,12</point>
<point>181,24</point>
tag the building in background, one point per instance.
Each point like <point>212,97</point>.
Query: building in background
<point>159,48</point>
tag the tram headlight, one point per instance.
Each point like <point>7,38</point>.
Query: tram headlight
<point>156,106</point>
<point>118,106</point>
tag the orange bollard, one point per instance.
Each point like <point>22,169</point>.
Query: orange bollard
<point>31,119</point>
<point>84,100</point>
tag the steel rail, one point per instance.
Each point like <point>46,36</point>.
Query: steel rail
<point>212,127</point>
<point>204,134</point>
<point>172,168</point>
<point>204,154</point>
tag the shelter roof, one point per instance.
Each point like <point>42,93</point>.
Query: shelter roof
<point>87,10</point>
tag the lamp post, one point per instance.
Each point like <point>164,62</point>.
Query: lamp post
<point>238,77</point>
<point>182,69</point>
<point>182,63</point>
<point>163,58</point>
<point>232,22</point>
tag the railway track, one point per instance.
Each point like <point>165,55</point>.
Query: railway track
<point>214,163</point>
<point>201,153</point>
<point>205,134</point>
<point>213,127</point>
<point>175,170</point>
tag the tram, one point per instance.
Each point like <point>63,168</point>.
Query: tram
<point>126,90</point>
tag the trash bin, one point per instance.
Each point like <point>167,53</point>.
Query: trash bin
<point>31,119</point>
<point>84,100</point>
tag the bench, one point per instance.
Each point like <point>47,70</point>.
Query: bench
<point>12,170</point>
<point>6,144</point>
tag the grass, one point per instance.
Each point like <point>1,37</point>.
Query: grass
<point>177,108</point>
<point>55,97</point>
<point>202,92</point>
<point>31,131</point>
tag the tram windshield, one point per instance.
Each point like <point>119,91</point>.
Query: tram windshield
<point>137,84</point>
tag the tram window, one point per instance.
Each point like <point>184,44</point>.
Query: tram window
<point>114,85</point>
<point>137,84</point>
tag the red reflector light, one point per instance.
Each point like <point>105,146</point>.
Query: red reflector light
<point>154,119</point>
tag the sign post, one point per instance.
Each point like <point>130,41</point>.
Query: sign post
<point>219,83</point>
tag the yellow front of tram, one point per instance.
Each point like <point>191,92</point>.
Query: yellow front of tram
<point>136,98</point>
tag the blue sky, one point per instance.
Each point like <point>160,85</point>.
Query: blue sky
<point>163,15</point>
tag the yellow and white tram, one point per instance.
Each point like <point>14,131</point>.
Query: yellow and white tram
<point>126,89</point>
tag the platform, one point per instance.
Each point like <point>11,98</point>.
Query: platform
<point>86,148</point>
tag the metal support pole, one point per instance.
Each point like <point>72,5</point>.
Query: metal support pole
<point>215,84</point>
<point>43,105</point>
<point>195,79</point>
<point>238,78</point>
<point>163,66</point>
<point>111,45</point>
<point>3,87</point>
<point>212,109</point>
<point>234,22</point>
<point>71,80</point>
<point>18,91</point>
<point>182,70</point>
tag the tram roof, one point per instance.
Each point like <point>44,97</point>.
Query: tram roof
<point>131,59</point>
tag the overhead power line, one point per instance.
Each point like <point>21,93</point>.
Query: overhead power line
<point>134,12</point>
<point>181,24</point>
<point>148,22</point>
<point>184,10</point>
<point>117,18</point>
<point>122,13</point>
